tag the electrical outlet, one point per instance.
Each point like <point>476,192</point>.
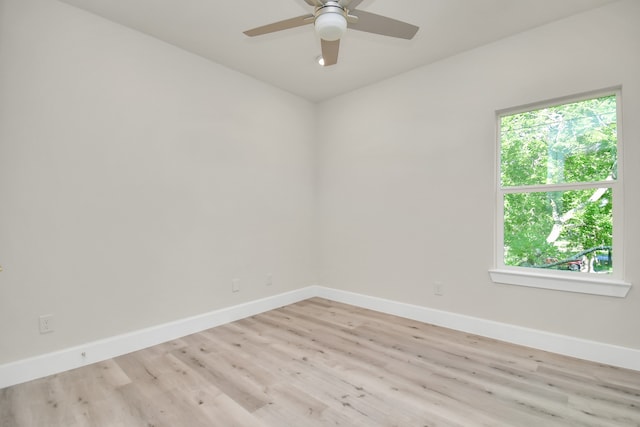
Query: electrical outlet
<point>438,288</point>
<point>235,285</point>
<point>46,323</point>
<point>269,280</point>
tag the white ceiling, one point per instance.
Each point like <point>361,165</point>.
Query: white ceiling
<point>286,59</point>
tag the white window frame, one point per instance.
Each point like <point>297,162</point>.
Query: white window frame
<point>613,284</point>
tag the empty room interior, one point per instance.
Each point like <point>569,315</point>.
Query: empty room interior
<point>203,228</point>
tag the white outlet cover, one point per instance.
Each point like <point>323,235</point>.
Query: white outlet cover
<point>46,323</point>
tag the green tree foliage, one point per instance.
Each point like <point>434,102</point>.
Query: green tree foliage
<point>541,152</point>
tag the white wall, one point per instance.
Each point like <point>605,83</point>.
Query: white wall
<point>136,180</point>
<point>407,183</point>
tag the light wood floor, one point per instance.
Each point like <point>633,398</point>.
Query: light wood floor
<point>321,363</point>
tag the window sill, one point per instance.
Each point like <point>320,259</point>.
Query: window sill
<point>584,285</point>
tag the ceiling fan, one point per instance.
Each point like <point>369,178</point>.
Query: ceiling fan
<point>331,19</point>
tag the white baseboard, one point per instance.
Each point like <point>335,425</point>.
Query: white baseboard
<point>594,351</point>
<point>70,358</point>
<point>97,351</point>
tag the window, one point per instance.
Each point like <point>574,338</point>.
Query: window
<point>560,196</point>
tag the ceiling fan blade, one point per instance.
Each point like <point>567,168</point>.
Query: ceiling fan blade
<point>330,52</point>
<point>314,2</point>
<point>281,25</point>
<point>378,24</point>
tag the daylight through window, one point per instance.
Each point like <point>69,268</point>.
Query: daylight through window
<point>558,183</point>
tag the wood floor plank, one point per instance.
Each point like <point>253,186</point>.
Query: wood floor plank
<point>323,363</point>
<point>222,374</point>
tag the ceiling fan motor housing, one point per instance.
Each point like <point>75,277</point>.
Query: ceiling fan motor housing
<point>330,21</point>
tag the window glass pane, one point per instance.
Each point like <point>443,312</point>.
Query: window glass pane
<point>570,230</point>
<point>568,143</point>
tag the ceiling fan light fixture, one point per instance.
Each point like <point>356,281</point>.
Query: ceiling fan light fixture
<point>331,26</point>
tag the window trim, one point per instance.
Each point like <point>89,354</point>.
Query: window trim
<point>612,285</point>
<point>584,285</point>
